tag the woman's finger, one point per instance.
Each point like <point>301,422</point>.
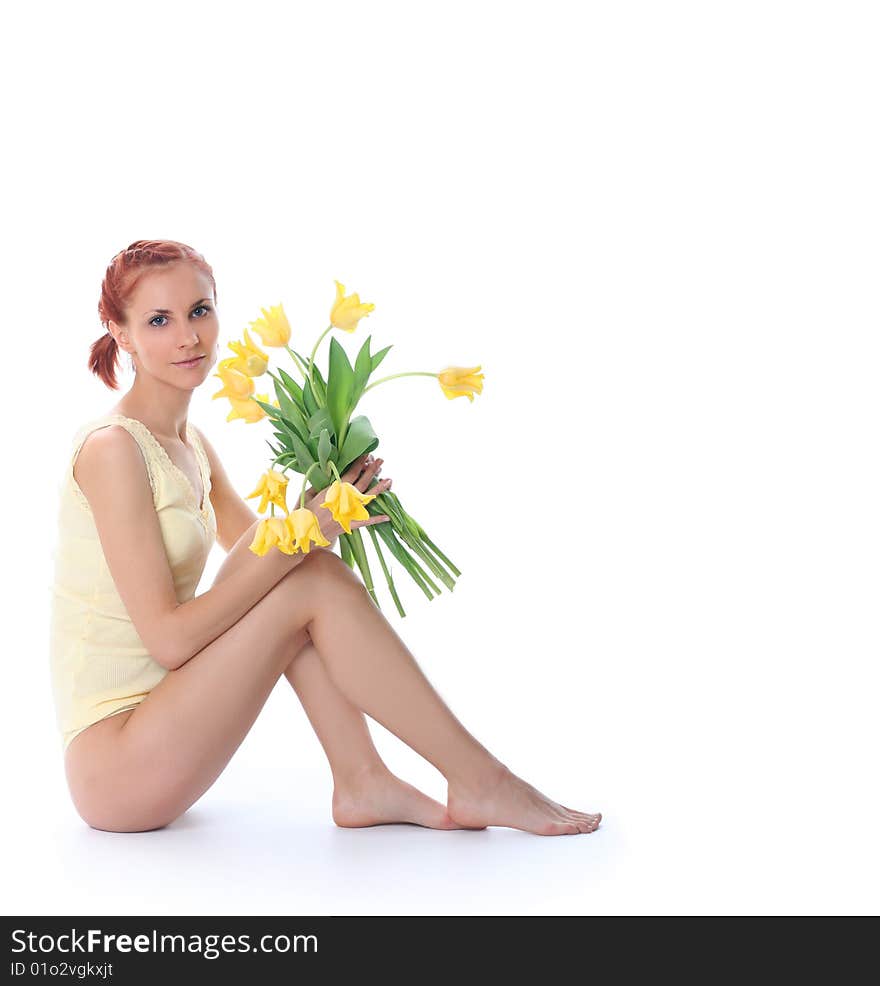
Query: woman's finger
<point>354,470</point>
<point>378,519</point>
<point>368,475</point>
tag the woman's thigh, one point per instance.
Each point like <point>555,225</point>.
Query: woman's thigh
<point>173,746</point>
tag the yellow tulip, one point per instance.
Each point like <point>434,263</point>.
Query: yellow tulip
<point>273,328</point>
<point>250,411</point>
<point>251,361</point>
<point>235,384</point>
<point>231,363</point>
<point>272,532</point>
<point>461,381</point>
<point>347,312</point>
<point>272,487</point>
<point>305,530</point>
<point>346,503</point>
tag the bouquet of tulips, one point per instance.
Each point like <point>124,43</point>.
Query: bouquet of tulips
<point>318,438</point>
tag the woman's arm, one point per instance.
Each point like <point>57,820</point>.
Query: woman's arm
<point>199,621</point>
<point>128,527</point>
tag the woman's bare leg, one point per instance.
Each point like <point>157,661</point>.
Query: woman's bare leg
<point>365,791</point>
<point>173,746</point>
<point>375,671</point>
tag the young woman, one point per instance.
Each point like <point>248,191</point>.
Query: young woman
<point>155,688</point>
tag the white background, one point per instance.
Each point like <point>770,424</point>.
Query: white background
<point>656,228</point>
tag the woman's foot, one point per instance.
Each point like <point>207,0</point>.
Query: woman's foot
<point>505,799</point>
<point>378,797</point>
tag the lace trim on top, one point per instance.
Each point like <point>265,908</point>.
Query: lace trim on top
<point>163,457</point>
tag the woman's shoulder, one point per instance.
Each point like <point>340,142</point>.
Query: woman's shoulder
<point>111,448</point>
<point>104,429</point>
<point>106,448</point>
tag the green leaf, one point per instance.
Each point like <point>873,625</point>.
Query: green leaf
<point>288,406</point>
<point>319,421</point>
<point>309,399</point>
<point>339,388</point>
<point>363,367</point>
<point>360,438</point>
<point>296,421</point>
<point>270,409</point>
<point>293,388</point>
<point>320,390</point>
<point>378,357</point>
<point>325,447</point>
<point>303,455</point>
<point>284,429</point>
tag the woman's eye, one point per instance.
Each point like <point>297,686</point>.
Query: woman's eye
<point>198,308</point>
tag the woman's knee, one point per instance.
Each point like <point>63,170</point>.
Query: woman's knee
<point>325,570</point>
<point>314,583</point>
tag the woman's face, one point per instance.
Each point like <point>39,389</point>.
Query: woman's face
<point>171,317</point>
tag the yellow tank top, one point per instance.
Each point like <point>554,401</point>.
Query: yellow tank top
<point>98,663</point>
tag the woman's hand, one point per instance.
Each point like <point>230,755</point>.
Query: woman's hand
<point>360,474</point>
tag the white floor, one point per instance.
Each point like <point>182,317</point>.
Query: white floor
<point>275,856</point>
<point>262,841</point>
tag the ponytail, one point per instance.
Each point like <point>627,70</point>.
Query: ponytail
<point>104,360</point>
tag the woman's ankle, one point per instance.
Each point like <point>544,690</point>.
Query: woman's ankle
<point>478,777</point>
<point>359,774</point>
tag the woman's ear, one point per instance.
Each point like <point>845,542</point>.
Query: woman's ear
<point>119,335</point>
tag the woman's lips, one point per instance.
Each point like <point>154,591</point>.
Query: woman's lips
<point>191,362</point>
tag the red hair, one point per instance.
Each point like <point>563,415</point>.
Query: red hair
<point>126,270</point>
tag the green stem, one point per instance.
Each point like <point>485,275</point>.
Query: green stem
<point>355,540</point>
<point>403,556</point>
<point>296,360</point>
<point>388,580</point>
<point>406,520</point>
<point>345,552</point>
<point>302,492</point>
<point>394,376</point>
<point>449,564</point>
<point>401,521</point>
<point>420,532</point>
<point>312,357</point>
<point>415,545</point>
